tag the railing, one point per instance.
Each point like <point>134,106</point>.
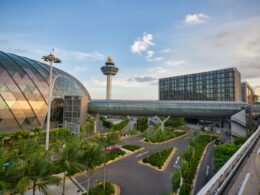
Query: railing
<point>217,184</point>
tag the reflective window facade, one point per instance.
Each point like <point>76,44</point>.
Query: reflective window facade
<point>24,88</point>
<point>219,85</point>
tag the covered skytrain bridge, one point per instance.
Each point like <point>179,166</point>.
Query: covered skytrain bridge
<point>187,109</point>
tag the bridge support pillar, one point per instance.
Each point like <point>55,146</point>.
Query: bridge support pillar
<point>162,122</point>
<point>95,123</point>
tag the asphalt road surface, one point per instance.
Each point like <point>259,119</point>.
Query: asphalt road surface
<point>134,178</point>
<point>206,170</point>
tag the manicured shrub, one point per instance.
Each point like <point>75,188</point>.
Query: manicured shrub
<point>131,147</point>
<point>176,179</point>
<point>160,136</point>
<point>175,122</point>
<point>121,125</point>
<point>185,188</point>
<point>158,159</point>
<point>141,124</point>
<point>222,153</point>
<point>98,190</point>
<point>191,158</point>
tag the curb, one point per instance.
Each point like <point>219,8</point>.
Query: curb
<point>130,136</point>
<point>116,188</point>
<point>110,162</point>
<point>175,138</point>
<point>198,167</point>
<point>165,164</point>
<point>119,158</point>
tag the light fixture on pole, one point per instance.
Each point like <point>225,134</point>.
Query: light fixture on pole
<point>52,59</point>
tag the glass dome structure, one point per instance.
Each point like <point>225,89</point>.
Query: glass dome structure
<point>24,88</point>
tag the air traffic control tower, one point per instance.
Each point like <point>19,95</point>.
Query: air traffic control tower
<point>110,70</point>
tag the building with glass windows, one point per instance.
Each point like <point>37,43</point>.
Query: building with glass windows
<point>24,88</point>
<point>247,93</point>
<point>218,85</point>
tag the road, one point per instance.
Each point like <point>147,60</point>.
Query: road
<point>206,169</point>
<point>247,179</point>
<point>134,178</point>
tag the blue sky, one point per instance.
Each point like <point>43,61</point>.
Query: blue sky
<point>147,39</point>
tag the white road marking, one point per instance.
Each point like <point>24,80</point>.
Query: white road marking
<point>176,166</point>
<point>243,184</point>
<point>141,154</point>
<point>207,171</point>
<point>176,162</point>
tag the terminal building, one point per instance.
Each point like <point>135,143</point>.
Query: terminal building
<point>24,89</point>
<point>218,85</point>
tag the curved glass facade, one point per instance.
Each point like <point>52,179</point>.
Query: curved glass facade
<point>24,88</point>
<point>188,109</point>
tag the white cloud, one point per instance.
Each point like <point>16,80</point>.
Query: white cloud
<point>80,69</point>
<point>142,44</point>
<point>150,54</point>
<point>193,19</point>
<point>79,55</point>
<point>175,62</point>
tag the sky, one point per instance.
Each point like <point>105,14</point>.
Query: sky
<point>147,39</point>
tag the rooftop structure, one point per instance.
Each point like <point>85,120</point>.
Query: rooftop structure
<point>110,70</point>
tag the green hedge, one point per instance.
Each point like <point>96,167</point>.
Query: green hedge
<point>158,159</point>
<point>121,125</point>
<point>131,147</point>
<point>223,152</point>
<point>98,190</point>
<point>191,158</point>
<point>111,155</point>
<point>176,179</point>
<point>160,136</point>
<point>141,123</point>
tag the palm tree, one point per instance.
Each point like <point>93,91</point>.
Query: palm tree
<point>31,168</point>
<point>90,155</point>
<point>69,161</point>
<point>104,141</point>
<point>37,171</point>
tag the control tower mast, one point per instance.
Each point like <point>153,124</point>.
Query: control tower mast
<point>110,70</point>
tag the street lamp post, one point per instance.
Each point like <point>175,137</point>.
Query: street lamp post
<point>52,59</point>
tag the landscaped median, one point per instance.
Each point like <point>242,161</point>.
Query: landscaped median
<point>110,189</point>
<point>160,137</point>
<point>131,148</point>
<point>183,179</point>
<point>115,155</point>
<point>159,160</point>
